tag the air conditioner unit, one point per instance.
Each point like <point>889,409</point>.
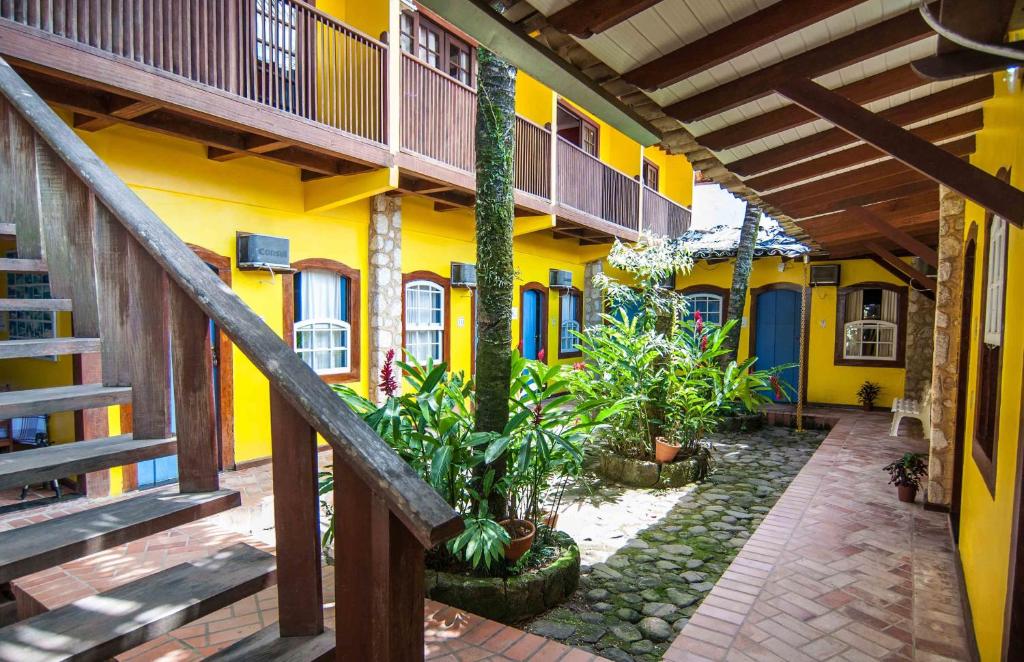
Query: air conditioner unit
<point>825,274</point>
<point>463,275</point>
<point>261,251</point>
<point>560,279</point>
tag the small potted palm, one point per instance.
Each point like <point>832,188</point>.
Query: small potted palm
<point>867,394</point>
<point>906,473</point>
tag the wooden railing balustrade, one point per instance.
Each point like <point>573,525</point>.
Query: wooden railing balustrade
<point>438,115</point>
<point>532,158</point>
<point>663,216</point>
<point>150,299</point>
<point>284,54</point>
<point>589,185</point>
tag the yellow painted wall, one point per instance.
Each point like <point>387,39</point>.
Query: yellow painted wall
<point>675,175</point>
<point>534,101</point>
<point>614,147</point>
<point>986,521</point>
<point>827,383</point>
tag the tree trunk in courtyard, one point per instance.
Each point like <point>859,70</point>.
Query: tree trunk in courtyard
<point>495,142</point>
<point>741,275</point>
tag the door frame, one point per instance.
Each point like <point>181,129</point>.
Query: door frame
<point>752,296</point>
<point>542,320</point>
<point>960,437</point>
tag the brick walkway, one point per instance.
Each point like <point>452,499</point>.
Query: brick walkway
<point>839,570</point>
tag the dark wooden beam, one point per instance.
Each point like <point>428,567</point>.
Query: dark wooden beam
<point>898,185</point>
<point>986,22</point>
<point>739,37</point>
<point>918,208</point>
<point>92,124</point>
<point>895,262</point>
<point>953,98</point>
<point>950,127</point>
<point>900,30</point>
<point>129,109</point>
<point>866,90</point>
<point>585,18</point>
<point>974,183</point>
<point>896,235</point>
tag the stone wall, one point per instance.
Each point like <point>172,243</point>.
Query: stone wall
<point>593,302</point>
<point>946,346</point>
<point>384,285</point>
<point>920,335</point>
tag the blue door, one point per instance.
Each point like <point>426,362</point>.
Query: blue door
<point>533,328</point>
<point>777,333</point>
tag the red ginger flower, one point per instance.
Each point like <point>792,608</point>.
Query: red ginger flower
<point>776,387</point>
<point>541,354</point>
<point>699,321</point>
<point>579,366</point>
<point>704,344</point>
<point>388,383</point>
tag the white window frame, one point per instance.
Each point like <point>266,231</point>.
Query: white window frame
<point>569,324</point>
<point>995,309</point>
<point>707,296</point>
<point>430,327</point>
<point>332,326</point>
<point>859,327</point>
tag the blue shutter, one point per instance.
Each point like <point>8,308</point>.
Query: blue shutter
<point>343,298</point>
<point>297,289</point>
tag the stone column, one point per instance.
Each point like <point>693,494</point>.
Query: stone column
<point>920,332</point>
<point>384,286</point>
<point>593,301</point>
<point>946,346</point>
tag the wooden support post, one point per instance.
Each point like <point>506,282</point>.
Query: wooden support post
<point>934,162</point>
<point>378,574</point>
<point>192,373</point>
<point>19,193</point>
<point>90,423</point>
<point>905,240</point>
<point>114,292</point>
<point>296,521</point>
<point>150,351</point>
<point>893,261</point>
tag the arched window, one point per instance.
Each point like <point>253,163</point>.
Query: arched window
<point>425,320</point>
<point>870,325</point>
<point>322,331</point>
<point>570,322</point>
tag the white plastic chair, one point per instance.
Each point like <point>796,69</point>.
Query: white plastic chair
<point>908,408</point>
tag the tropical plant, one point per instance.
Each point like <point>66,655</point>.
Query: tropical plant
<point>908,470</point>
<point>868,393</point>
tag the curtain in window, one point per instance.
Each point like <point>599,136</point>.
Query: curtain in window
<point>424,320</point>
<point>321,295</point>
<point>890,306</point>
<point>322,332</point>
<point>568,341</point>
<point>855,305</point>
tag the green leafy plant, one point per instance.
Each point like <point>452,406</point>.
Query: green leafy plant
<point>908,470</point>
<point>868,393</point>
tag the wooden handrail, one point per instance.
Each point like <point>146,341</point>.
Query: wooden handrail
<point>415,503</point>
<point>662,215</point>
<point>590,156</point>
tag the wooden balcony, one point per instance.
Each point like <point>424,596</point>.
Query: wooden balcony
<point>275,78</point>
<point>663,216</point>
<point>595,196</point>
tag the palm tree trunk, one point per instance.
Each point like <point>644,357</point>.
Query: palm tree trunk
<point>495,144</point>
<point>741,275</point>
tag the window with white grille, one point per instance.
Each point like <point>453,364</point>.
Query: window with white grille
<point>709,305</point>
<point>424,320</point>
<point>995,308</point>
<point>322,331</point>
<point>871,328</point>
<point>570,316</point>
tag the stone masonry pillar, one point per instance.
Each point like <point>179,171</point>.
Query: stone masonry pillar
<point>946,346</point>
<point>384,286</point>
<point>593,301</point>
<point>920,335</point>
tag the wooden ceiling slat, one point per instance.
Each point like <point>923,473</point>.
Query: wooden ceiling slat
<point>866,90</point>
<point>970,181</point>
<point>896,235</point>
<point>944,101</point>
<point>585,18</point>
<point>757,29</point>
<point>903,211</point>
<point>855,47</point>
<point>950,127</point>
<point>898,186</point>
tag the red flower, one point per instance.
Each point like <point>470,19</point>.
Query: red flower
<point>541,354</point>
<point>579,366</point>
<point>538,413</point>
<point>388,383</point>
<point>776,387</point>
<point>704,344</point>
<point>699,321</point>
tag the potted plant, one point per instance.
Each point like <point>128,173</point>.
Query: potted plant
<point>867,394</point>
<point>664,452</point>
<point>906,473</point>
<point>521,533</point>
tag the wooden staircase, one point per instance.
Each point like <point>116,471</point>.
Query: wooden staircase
<point>140,304</point>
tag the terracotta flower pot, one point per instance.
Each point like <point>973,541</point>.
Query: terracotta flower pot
<point>907,493</point>
<point>869,406</point>
<point>664,452</point>
<point>520,543</point>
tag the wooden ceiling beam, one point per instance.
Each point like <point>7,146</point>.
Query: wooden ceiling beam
<point>896,235</point>
<point>900,30</point>
<point>886,255</point>
<point>921,207</point>
<point>985,22</point>
<point>950,127</point>
<point>866,90</point>
<point>925,230</point>
<point>944,101</point>
<point>585,18</point>
<point>742,36</point>
<point>972,182</point>
<point>908,182</point>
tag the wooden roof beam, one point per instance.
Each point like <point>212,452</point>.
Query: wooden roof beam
<point>896,263</point>
<point>742,36</point>
<point>585,18</point>
<point>935,163</point>
<point>944,101</point>
<point>900,30</point>
<point>896,235</point>
<point>896,186</point>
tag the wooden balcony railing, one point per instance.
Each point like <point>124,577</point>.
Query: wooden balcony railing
<point>663,216</point>
<point>284,54</point>
<point>533,158</point>
<point>588,185</point>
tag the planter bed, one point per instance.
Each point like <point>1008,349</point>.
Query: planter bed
<point>512,599</point>
<point>643,473</point>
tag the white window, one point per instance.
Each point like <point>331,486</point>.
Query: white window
<point>995,307</point>
<point>709,305</point>
<point>871,329</point>
<point>323,334</point>
<point>424,320</point>
<point>276,33</point>
<point>568,341</point>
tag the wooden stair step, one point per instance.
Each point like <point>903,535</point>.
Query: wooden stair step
<point>49,543</point>
<point>101,626</point>
<point>267,645</point>
<point>8,231</point>
<point>42,305</point>
<point>39,465</point>
<point>22,265</point>
<point>33,347</point>
<point>36,401</point>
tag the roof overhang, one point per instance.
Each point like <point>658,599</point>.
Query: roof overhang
<point>479,20</point>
